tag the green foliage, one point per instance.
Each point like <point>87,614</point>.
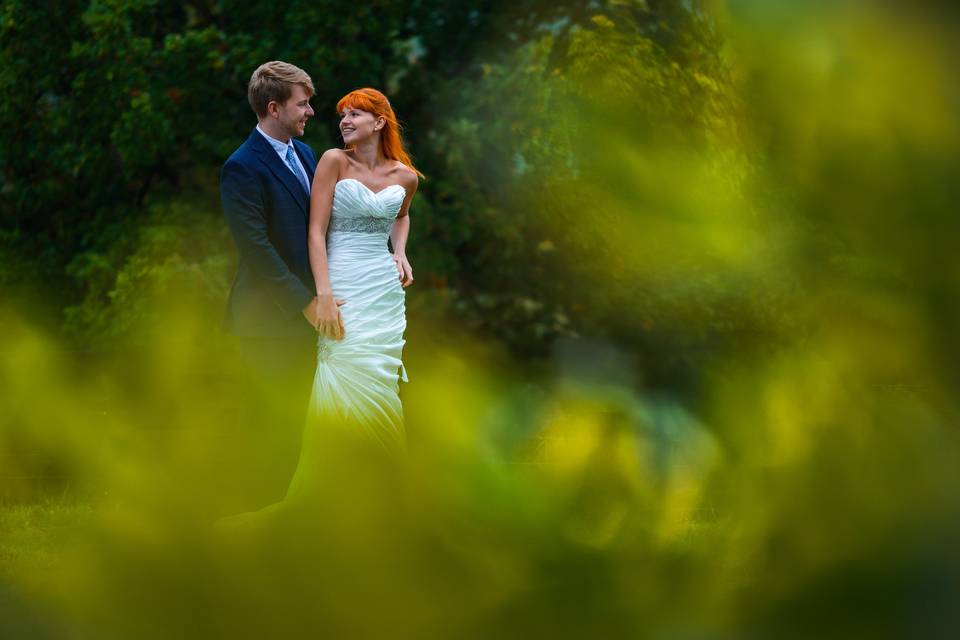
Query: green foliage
<point>140,97</point>
<point>179,257</point>
<point>582,160</point>
<point>35,531</point>
<point>131,95</point>
<point>610,177</point>
<point>753,205</point>
<point>814,503</point>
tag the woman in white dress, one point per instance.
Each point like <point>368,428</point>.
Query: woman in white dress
<point>360,195</point>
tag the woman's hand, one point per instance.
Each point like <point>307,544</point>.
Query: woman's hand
<point>403,269</point>
<point>329,318</point>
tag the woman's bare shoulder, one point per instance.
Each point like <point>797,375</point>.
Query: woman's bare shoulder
<point>406,176</point>
<point>332,161</point>
<point>335,154</point>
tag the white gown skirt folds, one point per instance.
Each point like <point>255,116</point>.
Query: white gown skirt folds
<point>356,385</point>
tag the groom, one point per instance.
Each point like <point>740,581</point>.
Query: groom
<point>272,309</point>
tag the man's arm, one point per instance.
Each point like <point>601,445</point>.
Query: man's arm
<point>244,210</point>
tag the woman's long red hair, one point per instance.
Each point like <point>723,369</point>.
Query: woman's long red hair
<point>391,142</point>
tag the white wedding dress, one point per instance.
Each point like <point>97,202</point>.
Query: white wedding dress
<point>355,386</point>
<point>356,381</point>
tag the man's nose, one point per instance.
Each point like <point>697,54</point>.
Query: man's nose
<point>309,111</point>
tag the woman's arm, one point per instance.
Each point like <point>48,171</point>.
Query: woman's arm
<point>401,230</point>
<point>328,319</point>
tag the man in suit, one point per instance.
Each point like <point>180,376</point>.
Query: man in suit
<point>272,309</point>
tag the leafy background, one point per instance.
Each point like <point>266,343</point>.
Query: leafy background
<point>682,341</point>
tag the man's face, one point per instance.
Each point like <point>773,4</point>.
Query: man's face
<point>294,113</point>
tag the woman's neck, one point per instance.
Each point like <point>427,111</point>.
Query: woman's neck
<point>368,153</point>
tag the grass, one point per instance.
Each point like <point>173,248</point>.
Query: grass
<point>32,534</point>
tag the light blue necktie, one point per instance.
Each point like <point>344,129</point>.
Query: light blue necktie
<point>292,163</point>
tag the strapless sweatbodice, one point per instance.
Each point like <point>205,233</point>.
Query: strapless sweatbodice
<point>358,209</point>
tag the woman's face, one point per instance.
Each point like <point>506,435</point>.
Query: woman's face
<point>357,125</point>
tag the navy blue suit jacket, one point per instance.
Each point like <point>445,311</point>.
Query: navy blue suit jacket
<point>268,211</point>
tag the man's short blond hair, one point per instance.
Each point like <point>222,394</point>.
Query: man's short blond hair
<point>273,82</point>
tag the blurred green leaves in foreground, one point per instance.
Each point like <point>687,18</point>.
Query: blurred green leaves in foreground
<point>736,243</point>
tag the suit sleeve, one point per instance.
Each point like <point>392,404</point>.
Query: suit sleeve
<point>243,207</point>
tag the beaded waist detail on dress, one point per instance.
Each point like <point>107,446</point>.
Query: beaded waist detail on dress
<point>360,224</point>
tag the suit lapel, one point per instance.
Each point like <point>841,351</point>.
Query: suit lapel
<point>310,166</point>
<point>280,170</point>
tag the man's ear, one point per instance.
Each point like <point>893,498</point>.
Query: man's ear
<point>273,109</point>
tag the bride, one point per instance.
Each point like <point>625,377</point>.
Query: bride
<point>360,195</point>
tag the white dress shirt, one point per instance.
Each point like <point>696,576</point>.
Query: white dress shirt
<point>281,149</point>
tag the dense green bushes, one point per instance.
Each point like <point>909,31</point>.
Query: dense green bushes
<point>603,194</point>
<point>504,105</point>
<point>617,173</point>
<point>177,259</point>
